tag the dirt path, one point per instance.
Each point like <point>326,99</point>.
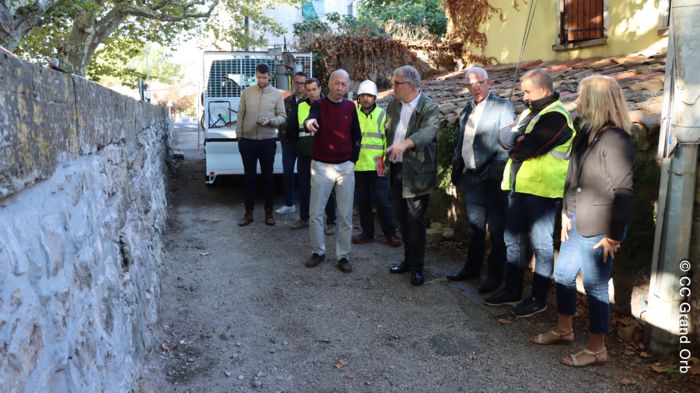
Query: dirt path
<point>240,313</point>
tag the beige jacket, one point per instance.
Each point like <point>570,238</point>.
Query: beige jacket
<point>259,103</point>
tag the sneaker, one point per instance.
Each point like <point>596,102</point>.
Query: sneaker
<point>314,260</point>
<point>286,209</point>
<point>344,265</point>
<point>298,224</point>
<point>528,308</point>
<point>502,298</point>
<point>330,229</point>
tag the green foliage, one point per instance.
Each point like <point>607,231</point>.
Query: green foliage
<point>448,136</point>
<point>111,67</point>
<point>229,24</point>
<point>339,24</point>
<point>313,26</point>
<point>127,41</point>
<point>412,13</point>
<point>97,38</point>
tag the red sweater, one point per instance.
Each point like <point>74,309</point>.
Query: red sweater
<point>339,136</point>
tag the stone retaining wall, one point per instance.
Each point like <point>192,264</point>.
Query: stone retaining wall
<point>82,212</point>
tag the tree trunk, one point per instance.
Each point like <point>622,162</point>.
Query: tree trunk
<point>87,34</point>
<point>15,23</point>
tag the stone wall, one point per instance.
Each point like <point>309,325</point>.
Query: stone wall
<point>82,212</point>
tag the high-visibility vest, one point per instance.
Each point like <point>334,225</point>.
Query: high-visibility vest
<point>305,137</point>
<point>543,175</point>
<point>373,138</point>
<point>303,109</point>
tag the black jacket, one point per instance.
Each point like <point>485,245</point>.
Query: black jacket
<point>599,184</point>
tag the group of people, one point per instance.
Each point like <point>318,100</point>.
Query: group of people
<point>515,175</point>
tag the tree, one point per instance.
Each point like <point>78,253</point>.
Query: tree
<point>113,68</point>
<point>231,23</point>
<point>17,17</point>
<point>76,28</point>
<point>422,14</point>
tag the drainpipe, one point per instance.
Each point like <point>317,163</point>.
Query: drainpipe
<point>678,151</point>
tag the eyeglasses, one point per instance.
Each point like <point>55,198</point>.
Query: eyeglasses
<point>399,83</point>
<point>299,83</point>
<point>476,84</point>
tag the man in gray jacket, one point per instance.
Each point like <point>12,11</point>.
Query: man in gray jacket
<point>477,168</point>
<point>260,111</point>
<point>411,134</point>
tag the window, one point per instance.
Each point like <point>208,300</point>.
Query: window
<point>581,23</point>
<point>582,20</point>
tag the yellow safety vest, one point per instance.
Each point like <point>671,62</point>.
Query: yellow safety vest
<point>303,109</point>
<point>373,138</point>
<point>305,138</point>
<point>543,175</point>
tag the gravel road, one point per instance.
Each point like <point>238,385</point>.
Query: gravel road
<point>240,313</point>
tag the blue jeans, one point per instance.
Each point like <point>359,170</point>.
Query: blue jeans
<point>252,151</point>
<point>577,254</point>
<point>371,188</point>
<point>485,202</point>
<point>289,158</point>
<point>304,171</point>
<point>533,217</point>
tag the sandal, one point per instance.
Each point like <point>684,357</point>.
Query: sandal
<point>599,357</point>
<point>553,337</point>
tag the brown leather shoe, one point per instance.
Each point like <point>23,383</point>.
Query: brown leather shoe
<point>247,218</point>
<point>393,241</point>
<point>269,220</point>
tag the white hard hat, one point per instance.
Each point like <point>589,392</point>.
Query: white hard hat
<point>367,87</point>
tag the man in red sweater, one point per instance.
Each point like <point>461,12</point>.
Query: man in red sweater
<point>336,147</point>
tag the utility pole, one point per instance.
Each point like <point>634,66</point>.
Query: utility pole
<point>668,313</point>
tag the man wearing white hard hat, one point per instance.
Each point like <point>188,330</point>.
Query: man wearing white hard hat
<point>370,183</point>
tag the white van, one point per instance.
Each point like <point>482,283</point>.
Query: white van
<point>226,74</point>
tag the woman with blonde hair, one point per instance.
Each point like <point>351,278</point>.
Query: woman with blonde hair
<point>596,209</point>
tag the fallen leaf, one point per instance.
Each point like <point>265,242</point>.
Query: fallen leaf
<point>204,254</point>
<point>340,363</point>
<point>504,321</point>
<point>207,335</point>
<point>348,376</point>
<point>659,368</point>
<point>627,381</point>
<point>645,355</point>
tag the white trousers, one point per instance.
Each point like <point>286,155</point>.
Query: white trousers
<point>324,178</point>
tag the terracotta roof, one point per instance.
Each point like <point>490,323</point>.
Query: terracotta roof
<point>641,78</point>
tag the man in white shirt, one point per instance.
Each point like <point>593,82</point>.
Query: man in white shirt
<point>477,169</point>
<point>411,132</point>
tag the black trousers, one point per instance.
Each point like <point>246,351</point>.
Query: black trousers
<point>252,151</point>
<point>410,214</point>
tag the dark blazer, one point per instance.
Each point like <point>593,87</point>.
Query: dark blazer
<point>490,158</point>
<point>599,184</point>
<point>419,170</point>
<point>291,125</point>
